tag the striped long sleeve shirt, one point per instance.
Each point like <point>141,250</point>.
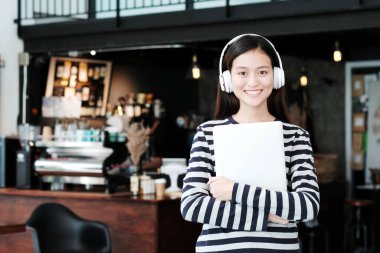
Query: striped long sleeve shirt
<point>241,225</point>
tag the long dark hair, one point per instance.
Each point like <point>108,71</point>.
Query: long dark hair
<point>228,104</point>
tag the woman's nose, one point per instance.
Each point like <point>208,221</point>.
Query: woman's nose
<point>253,80</point>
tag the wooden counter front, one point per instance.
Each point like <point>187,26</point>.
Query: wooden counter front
<point>137,224</point>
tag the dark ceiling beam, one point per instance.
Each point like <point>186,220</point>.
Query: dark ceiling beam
<point>284,18</point>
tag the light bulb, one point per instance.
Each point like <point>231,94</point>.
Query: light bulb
<point>196,71</point>
<point>93,52</point>
<point>303,80</point>
<point>337,56</point>
<point>303,77</point>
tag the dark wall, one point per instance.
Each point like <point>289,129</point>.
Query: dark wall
<point>37,78</point>
<point>207,92</point>
<point>326,103</point>
<point>167,83</point>
<point>327,106</point>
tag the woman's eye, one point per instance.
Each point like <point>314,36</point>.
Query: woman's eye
<point>243,74</point>
<point>263,72</point>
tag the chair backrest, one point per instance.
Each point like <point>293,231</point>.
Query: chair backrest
<point>58,229</point>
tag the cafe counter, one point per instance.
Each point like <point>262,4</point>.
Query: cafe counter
<point>142,224</point>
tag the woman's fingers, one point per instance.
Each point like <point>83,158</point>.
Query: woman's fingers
<point>211,180</point>
<point>277,219</point>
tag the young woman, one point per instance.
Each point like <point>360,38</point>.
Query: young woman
<point>247,218</point>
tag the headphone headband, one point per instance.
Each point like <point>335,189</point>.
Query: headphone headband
<point>243,35</point>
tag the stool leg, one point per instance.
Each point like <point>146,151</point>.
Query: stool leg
<point>345,235</point>
<point>365,233</point>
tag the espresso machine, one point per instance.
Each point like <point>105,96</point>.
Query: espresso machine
<point>25,176</point>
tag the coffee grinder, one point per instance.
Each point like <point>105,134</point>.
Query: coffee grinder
<point>25,176</point>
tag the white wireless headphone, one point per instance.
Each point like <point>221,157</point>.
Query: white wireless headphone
<point>225,79</point>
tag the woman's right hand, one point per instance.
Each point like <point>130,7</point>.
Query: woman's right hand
<point>221,188</point>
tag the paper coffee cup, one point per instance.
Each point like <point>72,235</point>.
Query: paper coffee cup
<point>160,184</point>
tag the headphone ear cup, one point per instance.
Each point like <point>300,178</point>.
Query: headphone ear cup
<point>275,78</point>
<point>221,82</point>
<point>282,77</point>
<point>227,81</point>
<point>278,78</point>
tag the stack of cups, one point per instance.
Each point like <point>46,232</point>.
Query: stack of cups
<point>146,185</point>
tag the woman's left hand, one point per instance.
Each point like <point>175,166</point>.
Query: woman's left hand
<point>221,188</point>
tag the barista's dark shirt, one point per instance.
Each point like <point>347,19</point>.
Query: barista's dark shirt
<point>169,140</point>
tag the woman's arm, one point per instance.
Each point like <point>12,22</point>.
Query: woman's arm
<point>222,189</point>
<point>197,204</point>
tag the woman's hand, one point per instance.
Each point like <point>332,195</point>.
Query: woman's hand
<point>276,219</point>
<point>221,188</point>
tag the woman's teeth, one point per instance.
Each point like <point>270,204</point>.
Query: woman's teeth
<point>252,92</point>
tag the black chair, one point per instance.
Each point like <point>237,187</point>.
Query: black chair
<point>55,228</point>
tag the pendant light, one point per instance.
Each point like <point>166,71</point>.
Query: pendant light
<point>195,70</point>
<point>304,80</point>
<point>337,56</point>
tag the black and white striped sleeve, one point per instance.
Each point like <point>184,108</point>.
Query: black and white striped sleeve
<point>197,204</point>
<point>302,202</point>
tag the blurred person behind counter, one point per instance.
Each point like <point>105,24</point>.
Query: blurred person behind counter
<point>166,139</point>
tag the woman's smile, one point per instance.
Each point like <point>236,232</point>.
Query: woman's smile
<point>253,92</point>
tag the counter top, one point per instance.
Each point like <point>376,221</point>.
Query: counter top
<point>122,196</point>
<point>368,187</point>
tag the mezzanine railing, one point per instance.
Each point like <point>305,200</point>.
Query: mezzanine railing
<point>32,12</point>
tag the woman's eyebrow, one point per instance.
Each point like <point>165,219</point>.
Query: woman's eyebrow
<point>259,67</point>
<point>264,67</point>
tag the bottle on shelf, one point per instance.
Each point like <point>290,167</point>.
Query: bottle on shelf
<point>85,96</point>
<point>134,185</point>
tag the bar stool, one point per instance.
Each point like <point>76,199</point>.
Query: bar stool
<point>314,237</point>
<point>358,228</point>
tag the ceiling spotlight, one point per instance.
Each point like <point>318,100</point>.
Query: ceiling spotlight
<point>337,53</point>
<point>93,52</point>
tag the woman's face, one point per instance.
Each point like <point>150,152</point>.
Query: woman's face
<point>252,78</point>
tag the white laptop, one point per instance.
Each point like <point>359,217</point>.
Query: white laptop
<point>251,153</point>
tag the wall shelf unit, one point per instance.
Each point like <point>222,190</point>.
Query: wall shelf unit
<point>360,78</point>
